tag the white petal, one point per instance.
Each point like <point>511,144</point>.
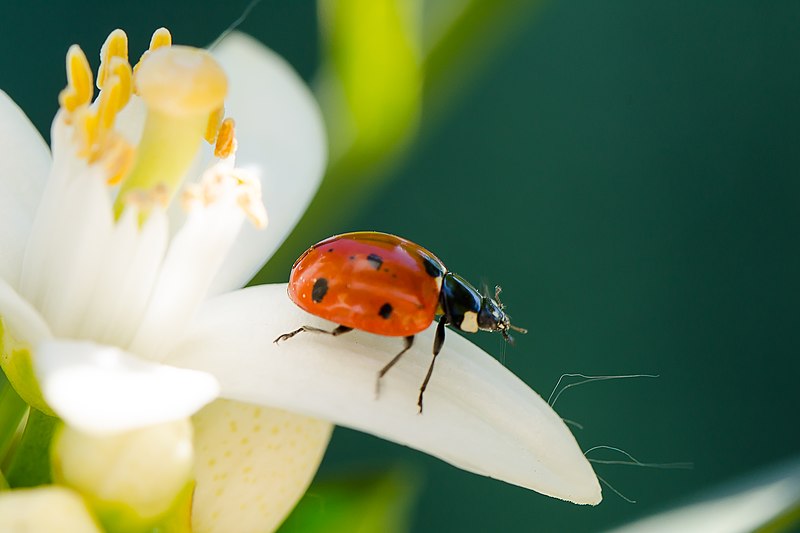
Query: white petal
<point>24,162</point>
<point>478,415</point>
<point>280,131</point>
<point>752,504</point>
<point>122,286</point>
<point>194,256</point>
<point>45,509</point>
<point>102,389</point>
<point>74,242</point>
<point>24,322</point>
<point>253,465</point>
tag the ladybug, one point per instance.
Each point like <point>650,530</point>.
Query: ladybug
<point>387,285</point>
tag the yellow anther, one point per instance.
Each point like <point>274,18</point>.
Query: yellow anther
<point>118,160</point>
<point>115,94</point>
<point>161,37</point>
<point>121,69</point>
<point>116,45</point>
<point>85,131</point>
<point>253,209</point>
<point>222,182</point>
<point>226,139</point>
<point>144,201</point>
<point>79,89</point>
<point>214,122</point>
<point>108,104</point>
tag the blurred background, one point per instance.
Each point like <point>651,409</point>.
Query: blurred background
<point>627,171</point>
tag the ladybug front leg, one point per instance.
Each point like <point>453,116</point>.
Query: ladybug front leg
<point>438,341</point>
<point>311,329</point>
<point>409,342</point>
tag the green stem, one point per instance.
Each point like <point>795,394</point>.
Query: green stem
<point>30,465</point>
<point>12,411</point>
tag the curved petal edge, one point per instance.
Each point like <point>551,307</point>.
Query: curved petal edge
<point>478,416</point>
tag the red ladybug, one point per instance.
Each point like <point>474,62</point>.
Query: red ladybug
<point>387,285</point>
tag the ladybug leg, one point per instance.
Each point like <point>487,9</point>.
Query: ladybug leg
<point>311,329</point>
<point>438,341</point>
<point>409,341</point>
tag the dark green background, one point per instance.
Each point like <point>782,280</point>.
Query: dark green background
<point>629,172</point>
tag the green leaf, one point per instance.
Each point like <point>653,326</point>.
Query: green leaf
<point>358,504</point>
<point>30,465</point>
<point>371,81</point>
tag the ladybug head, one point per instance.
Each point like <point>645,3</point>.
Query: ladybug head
<point>492,317</point>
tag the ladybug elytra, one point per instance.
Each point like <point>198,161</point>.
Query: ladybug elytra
<point>383,284</point>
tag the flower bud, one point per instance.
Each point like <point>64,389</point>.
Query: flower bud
<point>134,476</point>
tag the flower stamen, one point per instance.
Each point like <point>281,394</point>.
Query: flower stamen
<point>181,87</point>
<point>161,37</point>
<point>226,139</point>
<point>223,181</point>
<point>214,122</point>
<point>79,90</point>
<point>116,46</point>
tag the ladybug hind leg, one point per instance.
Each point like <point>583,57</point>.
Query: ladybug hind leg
<point>409,341</point>
<point>340,330</point>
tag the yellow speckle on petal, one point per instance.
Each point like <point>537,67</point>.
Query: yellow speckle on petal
<point>267,470</point>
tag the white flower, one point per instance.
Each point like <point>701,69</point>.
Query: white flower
<point>125,299</point>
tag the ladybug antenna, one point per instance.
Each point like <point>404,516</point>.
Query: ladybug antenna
<point>484,288</point>
<point>517,328</point>
<point>497,290</point>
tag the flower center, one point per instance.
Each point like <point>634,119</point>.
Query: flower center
<point>105,260</point>
<point>183,89</point>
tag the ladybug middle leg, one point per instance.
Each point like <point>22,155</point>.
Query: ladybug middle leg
<point>438,341</point>
<point>409,342</point>
<point>340,330</point>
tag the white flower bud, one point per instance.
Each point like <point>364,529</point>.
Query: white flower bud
<point>142,470</point>
<point>45,509</point>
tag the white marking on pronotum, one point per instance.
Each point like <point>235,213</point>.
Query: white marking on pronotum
<point>470,322</point>
<point>588,379</point>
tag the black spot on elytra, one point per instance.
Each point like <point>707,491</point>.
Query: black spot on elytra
<point>385,310</point>
<point>431,268</point>
<point>330,250</point>
<point>319,290</point>
<point>352,257</point>
<point>375,260</point>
